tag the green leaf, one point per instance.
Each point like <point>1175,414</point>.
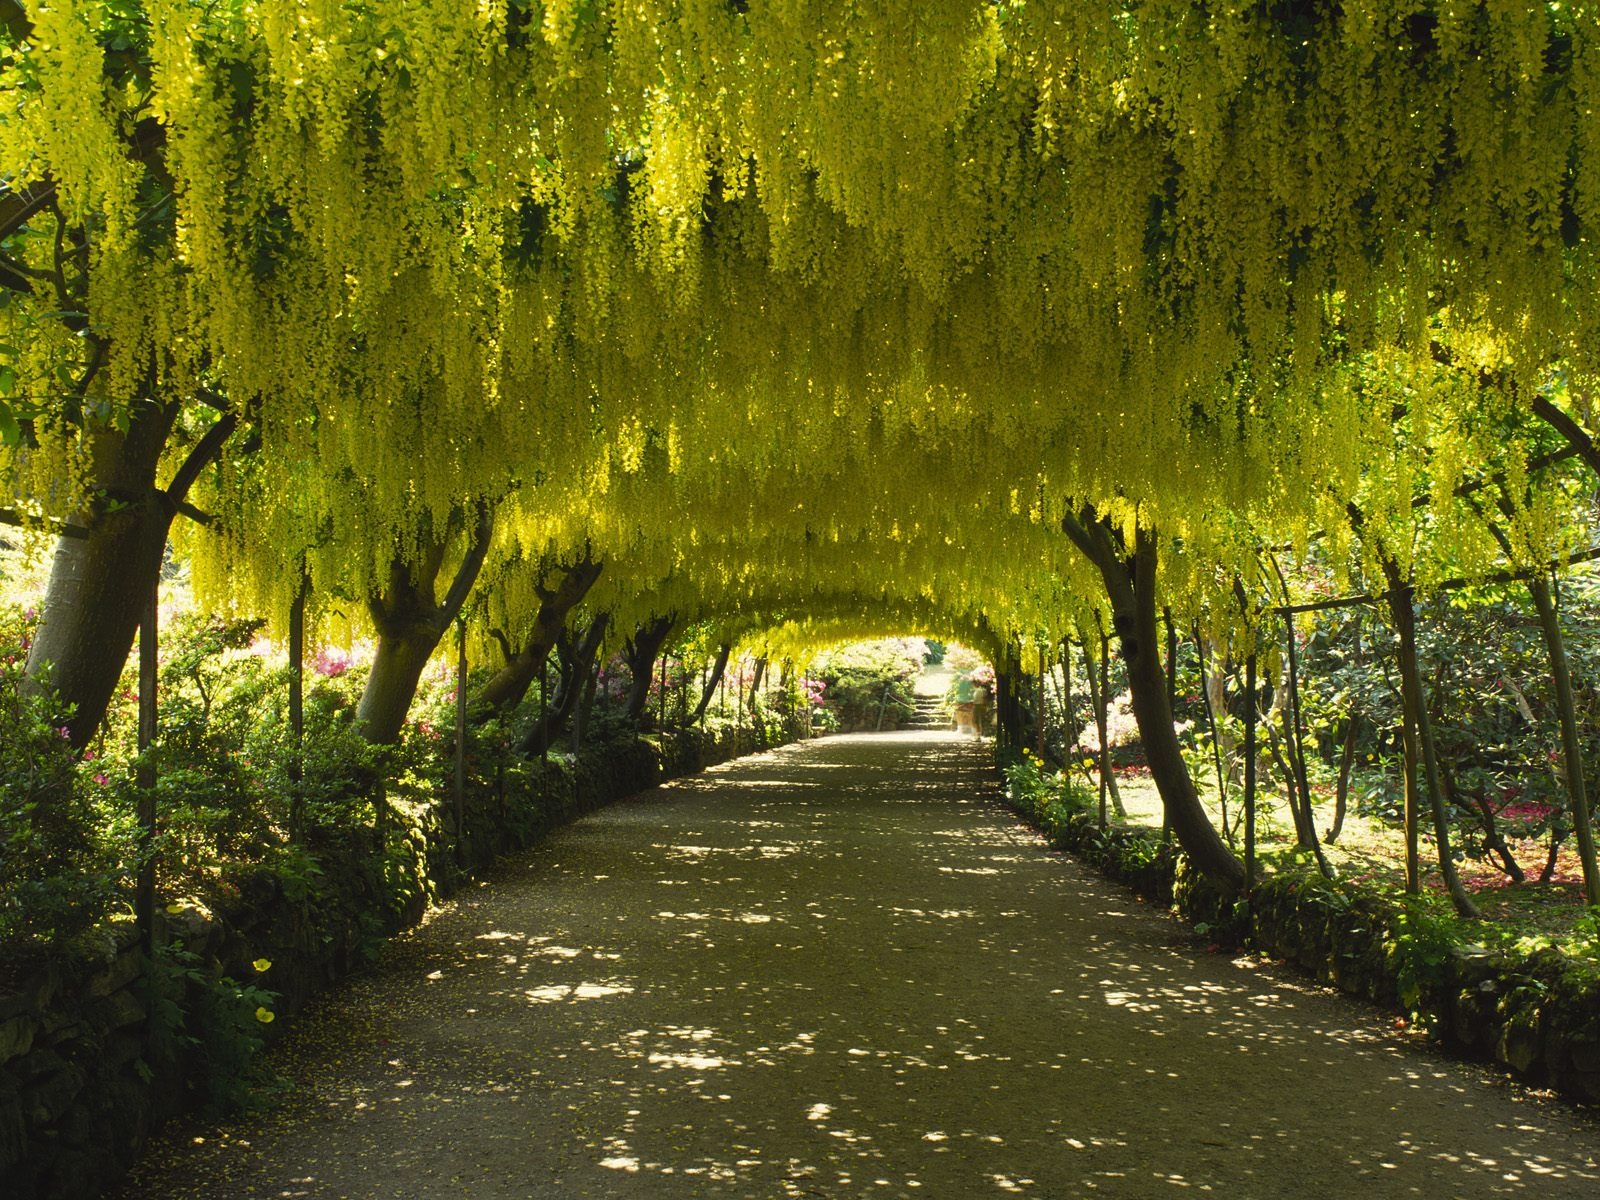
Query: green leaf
<point>8,380</point>
<point>10,431</point>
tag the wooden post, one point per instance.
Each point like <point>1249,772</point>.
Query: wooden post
<point>1571,741</point>
<point>1038,738</point>
<point>1250,717</point>
<point>460,787</point>
<point>144,905</point>
<point>544,717</point>
<point>297,708</point>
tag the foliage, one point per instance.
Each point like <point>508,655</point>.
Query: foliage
<point>1048,800</point>
<point>61,845</point>
<point>223,1023</point>
<point>866,680</point>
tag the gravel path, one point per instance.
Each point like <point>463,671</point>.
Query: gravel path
<point>841,969</point>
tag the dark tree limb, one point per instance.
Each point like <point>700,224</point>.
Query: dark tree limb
<point>641,651</point>
<point>523,665</point>
<point>717,669</point>
<point>410,623</point>
<point>1129,575</point>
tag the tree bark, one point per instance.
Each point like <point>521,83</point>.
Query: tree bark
<point>1208,681</point>
<point>101,573</point>
<point>1576,436</point>
<point>1100,699</point>
<point>510,684</point>
<point>1341,793</point>
<point>640,651</point>
<point>706,693</point>
<point>1252,714</point>
<point>1571,742</point>
<point>755,683</point>
<point>1130,580</point>
<point>1405,616</point>
<point>577,663</point>
<point>410,623</point>
<point>1305,816</point>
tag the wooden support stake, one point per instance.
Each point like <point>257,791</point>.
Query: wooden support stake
<point>297,709</point>
<point>1038,739</point>
<point>459,791</point>
<point>144,905</point>
<point>1250,717</point>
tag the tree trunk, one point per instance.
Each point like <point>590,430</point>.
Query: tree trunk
<point>511,683</point>
<point>1294,737</point>
<point>100,575</point>
<point>1410,818</point>
<point>640,651</point>
<point>410,623</point>
<point>1252,714</point>
<point>1130,581</point>
<point>1405,616</point>
<point>1571,743</point>
<point>1039,709</point>
<point>1100,699</point>
<point>1341,792</point>
<point>1208,679</point>
<point>1493,839</point>
<point>755,683</point>
<point>706,693</point>
<point>577,673</point>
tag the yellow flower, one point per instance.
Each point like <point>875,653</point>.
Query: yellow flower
<point>262,964</point>
<point>265,1015</point>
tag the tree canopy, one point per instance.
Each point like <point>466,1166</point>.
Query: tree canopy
<point>710,283</point>
<point>781,307</point>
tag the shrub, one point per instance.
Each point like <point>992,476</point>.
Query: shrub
<point>868,679</point>
<point>58,853</point>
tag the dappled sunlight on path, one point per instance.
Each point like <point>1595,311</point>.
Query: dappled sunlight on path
<point>841,969</point>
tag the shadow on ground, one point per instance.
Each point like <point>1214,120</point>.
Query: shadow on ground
<point>841,969</point>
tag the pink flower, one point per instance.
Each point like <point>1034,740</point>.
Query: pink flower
<point>102,779</point>
<point>330,664</point>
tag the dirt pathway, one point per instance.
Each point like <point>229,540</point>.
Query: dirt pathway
<point>842,970</point>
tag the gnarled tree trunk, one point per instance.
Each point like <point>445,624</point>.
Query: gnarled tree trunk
<point>1415,706</point>
<point>641,651</point>
<point>706,693</point>
<point>510,684</point>
<point>410,623</point>
<point>107,561</point>
<point>576,656</point>
<point>1130,580</point>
